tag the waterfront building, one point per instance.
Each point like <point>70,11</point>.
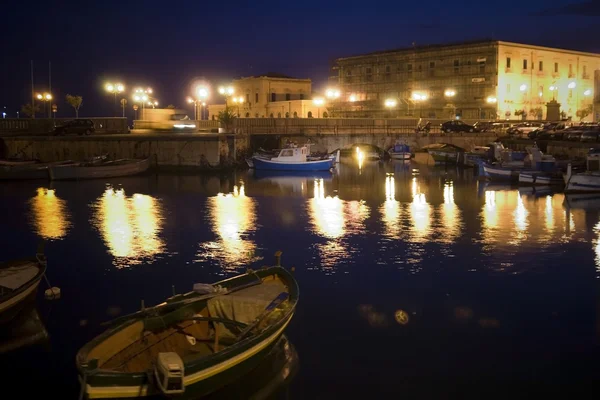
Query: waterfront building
<point>474,80</point>
<point>271,95</point>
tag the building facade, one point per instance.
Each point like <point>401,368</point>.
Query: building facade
<point>477,80</point>
<point>271,95</point>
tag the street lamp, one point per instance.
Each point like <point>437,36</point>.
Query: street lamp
<point>45,98</point>
<point>202,94</point>
<point>450,93</point>
<point>141,96</point>
<point>332,94</point>
<point>352,98</point>
<point>238,101</point>
<point>419,98</point>
<point>491,100</point>
<point>572,85</point>
<point>318,101</point>
<point>391,104</point>
<point>115,88</point>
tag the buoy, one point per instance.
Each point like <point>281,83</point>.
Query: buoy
<point>52,294</point>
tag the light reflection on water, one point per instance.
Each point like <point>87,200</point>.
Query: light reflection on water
<point>333,219</point>
<point>50,214</point>
<point>232,217</point>
<point>129,225</point>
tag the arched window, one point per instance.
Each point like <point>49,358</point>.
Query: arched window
<point>287,114</point>
<point>310,114</point>
<point>247,115</point>
<point>325,115</point>
<point>256,115</point>
<point>271,115</point>
<point>213,117</point>
<point>278,115</point>
<point>295,114</point>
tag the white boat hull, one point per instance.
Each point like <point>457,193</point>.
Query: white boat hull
<point>541,179</point>
<point>399,156</point>
<point>584,182</point>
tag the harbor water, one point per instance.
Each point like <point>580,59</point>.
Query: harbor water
<point>415,281</point>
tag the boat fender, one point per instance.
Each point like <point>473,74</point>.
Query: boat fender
<point>52,294</point>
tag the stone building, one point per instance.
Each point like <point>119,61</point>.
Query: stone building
<point>484,79</point>
<point>271,95</point>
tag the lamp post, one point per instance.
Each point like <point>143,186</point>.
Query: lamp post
<point>227,92</point>
<point>588,93</point>
<point>449,94</point>
<point>238,101</point>
<point>45,98</point>
<point>201,95</point>
<point>419,98</point>
<point>115,88</point>
<point>332,94</point>
<point>391,104</point>
<point>318,101</point>
<point>143,96</point>
<point>123,104</point>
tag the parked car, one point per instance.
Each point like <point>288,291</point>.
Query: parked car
<point>572,134</point>
<point>523,129</point>
<point>483,126</point>
<point>590,133</point>
<point>76,126</point>
<point>456,126</point>
<point>501,127</point>
<point>550,135</point>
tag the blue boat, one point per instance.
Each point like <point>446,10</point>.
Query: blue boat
<point>292,159</point>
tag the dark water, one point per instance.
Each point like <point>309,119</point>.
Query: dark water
<point>416,282</point>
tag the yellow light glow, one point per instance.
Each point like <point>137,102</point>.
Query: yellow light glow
<point>130,226</point>
<point>48,96</point>
<point>202,92</point>
<point>352,98</point>
<point>520,215</point>
<point>588,92</point>
<point>450,93</point>
<point>50,214</point>
<point>190,100</point>
<point>39,96</point>
<point>572,85</point>
<point>391,103</point>
<point>523,87</point>
<point>332,93</point>
<point>391,209</point>
<point>490,212</point>
<point>492,100</point>
<point>420,214</point>
<point>110,87</point>
<point>552,88</point>
<point>120,87</point>
<point>233,217</point>
<point>450,215</point>
<point>419,96</point>
<point>326,212</point>
<point>318,101</point>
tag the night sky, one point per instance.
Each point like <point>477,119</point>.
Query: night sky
<point>169,45</point>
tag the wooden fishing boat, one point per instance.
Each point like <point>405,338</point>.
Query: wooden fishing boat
<point>193,343</point>
<point>444,153</point>
<point>29,171</point>
<point>19,279</point>
<point>16,163</point>
<point>109,169</point>
<point>25,330</point>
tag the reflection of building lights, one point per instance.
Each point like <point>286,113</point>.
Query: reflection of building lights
<point>450,215</point>
<point>420,214</point>
<point>327,213</point>
<point>549,213</point>
<point>130,226</point>
<point>391,209</point>
<point>597,246</point>
<point>50,215</point>
<point>520,214</point>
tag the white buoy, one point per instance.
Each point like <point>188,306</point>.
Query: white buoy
<point>52,294</point>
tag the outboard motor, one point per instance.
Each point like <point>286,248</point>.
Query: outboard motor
<point>169,373</point>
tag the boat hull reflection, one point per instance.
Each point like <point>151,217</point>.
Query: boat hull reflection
<point>25,330</point>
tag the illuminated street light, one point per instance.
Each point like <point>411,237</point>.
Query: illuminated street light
<point>114,88</point>
<point>420,98</point>
<point>226,91</point>
<point>572,85</point>
<point>523,87</point>
<point>202,92</point>
<point>391,103</point>
<point>352,98</point>
<point>141,96</point>
<point>318,101</point>
<point>45,98</point>
<point>332,94</point>
<point>450,93</point>
<point>588,92</point>
<point>491,100</point>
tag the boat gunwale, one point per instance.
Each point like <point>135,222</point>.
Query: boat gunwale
<point>202,362</point>
<point>33,281</point>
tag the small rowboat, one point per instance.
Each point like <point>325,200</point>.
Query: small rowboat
<point>193,343</point>
<point>109,169</point>
<point>29,171</point>
<point>16,163</point>
<point>19,280</point>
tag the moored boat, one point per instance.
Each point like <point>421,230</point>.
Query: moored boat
<point>444,153</point>
<point>19,279</point>
<point>292,159</point>
<point>540,178</point>
<point>17,162</point>
<point>29,171</point>
<point>400,151</point>
<point>25,330</point>
<point>193,343</point>
<point>110,169</point>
